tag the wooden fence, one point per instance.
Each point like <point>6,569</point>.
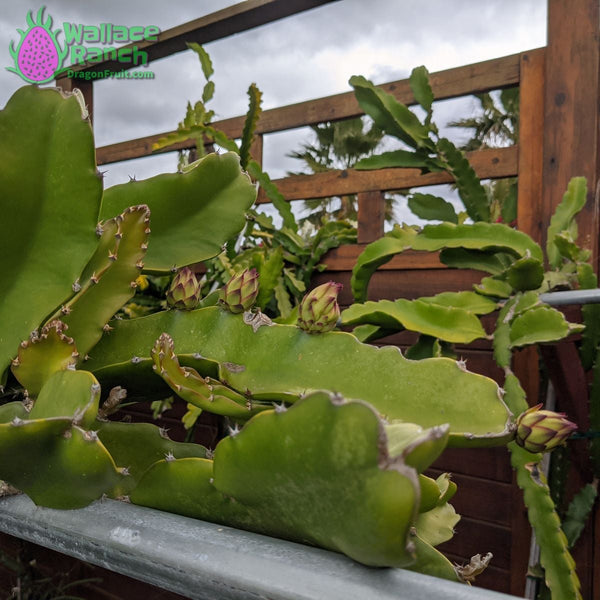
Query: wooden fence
<point>558,139</point>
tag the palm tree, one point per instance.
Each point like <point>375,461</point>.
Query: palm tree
<point>337,145</point>
<point>497,126</point>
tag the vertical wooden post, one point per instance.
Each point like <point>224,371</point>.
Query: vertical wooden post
<point>256,150</point>
<point>571,148</point>
<point>86,87</point>
<point>571,109</point>
<point>531,143</point>
<point>371,216</point>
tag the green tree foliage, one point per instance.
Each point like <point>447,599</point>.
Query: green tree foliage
<point>496,126</point>
<point>338,145</point>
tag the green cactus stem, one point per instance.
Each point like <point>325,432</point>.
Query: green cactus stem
<point>47,351</point>
<point>91,310</point>
<point>73,394</point>
<point>59,465</point>
<point>10,410</point>
<point>319,310</point>
<point>558,564</point>
<point>282,363</point>
<point>49,214</point>
<point>318,473</point>
<point>431,561</point>
<point>193,213</point>
<point>420,447</point>
<point>448,323</point>
<point>138,446</point>
<point>240,292</point>
<point>203,392</point>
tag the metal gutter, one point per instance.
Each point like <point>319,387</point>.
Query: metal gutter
<point>571,297</point>
<point>204,561</point>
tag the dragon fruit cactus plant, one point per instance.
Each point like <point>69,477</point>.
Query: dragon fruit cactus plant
<point>352,426</point>
<point>38,55</point>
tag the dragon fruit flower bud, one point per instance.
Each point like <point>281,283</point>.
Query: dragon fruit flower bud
<point>240,292</point>
<point>184,292</point>
<point>541,430</point>
<point>319,311</point>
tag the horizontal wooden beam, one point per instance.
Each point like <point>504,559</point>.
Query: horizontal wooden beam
<point>492,163</point>
<point>461,81</point>
<point>214,26</point>
<point>343,258</point>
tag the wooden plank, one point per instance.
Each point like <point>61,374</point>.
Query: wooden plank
<point>478,537</point>
<point>488,163</point>
<point>256,149</point>
<point>344,258</point>
<point>571,109</point>
<point>402,284</point>
<point>371,216</point>
<point>570,382</point>
<point>520,542</point>
<point>214,26</point>
<point>485,463</point>
<point>461,81</point>
<point>467,500</point>
<point>531,143</point>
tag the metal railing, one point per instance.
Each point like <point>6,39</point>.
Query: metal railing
<point>204,561</point>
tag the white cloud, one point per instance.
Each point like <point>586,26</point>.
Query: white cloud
<point>306,56</point>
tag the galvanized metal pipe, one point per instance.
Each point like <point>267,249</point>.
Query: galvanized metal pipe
<point>571,297</point>
<point>204,561</point>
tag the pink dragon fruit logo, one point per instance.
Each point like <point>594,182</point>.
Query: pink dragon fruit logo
<point>38,55</point>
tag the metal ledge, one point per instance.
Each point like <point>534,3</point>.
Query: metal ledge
<point>571,297</point>
<point>204,561</point>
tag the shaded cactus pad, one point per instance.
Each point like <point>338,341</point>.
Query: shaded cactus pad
<point>318,473</point>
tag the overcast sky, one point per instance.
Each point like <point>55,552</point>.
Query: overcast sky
<point>301,57</point>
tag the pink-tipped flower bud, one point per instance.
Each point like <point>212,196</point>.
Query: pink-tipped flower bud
<point>319,311</point>
<point>541,430</point>
<point>240,292</point>
<point>184,291</point>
